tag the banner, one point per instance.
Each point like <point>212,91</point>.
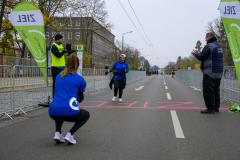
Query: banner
<point>230,13</point>
<point>153,68</point>
<point>80,56</point>
<point>27,19</point>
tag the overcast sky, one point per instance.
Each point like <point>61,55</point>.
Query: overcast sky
<point>172,26</point>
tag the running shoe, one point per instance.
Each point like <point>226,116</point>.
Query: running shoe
<point>114,98</point>
<point>58,138</point>
<point>120,100</point>
<point>69,138</point>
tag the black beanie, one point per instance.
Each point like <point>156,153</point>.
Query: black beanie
<point>58,36</point>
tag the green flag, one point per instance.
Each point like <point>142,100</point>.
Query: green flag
<point>27,19</point>
<point>230,13</point>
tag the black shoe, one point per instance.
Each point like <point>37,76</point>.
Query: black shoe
<point>217,110</point>
<point>208,111</point>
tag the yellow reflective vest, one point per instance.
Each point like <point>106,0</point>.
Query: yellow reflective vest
<point>58,62</point>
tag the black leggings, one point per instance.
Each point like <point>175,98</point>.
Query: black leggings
<point>81,118</point>
<point>118,85</point>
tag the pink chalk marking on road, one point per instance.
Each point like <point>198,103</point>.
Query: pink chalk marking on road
<point>94,101</point>
<point>161,107</point>
<point>123,103</point>
<point>145,105</point>
<point>102,104</point>
<point>177,102</point>
<point>174,105</point>
<point>130,103</point>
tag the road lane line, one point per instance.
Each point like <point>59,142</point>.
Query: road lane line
<point>177,125</point>
<point>166,87</point>
<point>164,83</point>
<point>169,96</point>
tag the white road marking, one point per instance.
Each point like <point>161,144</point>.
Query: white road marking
<point>195,88</point>
<point>176,125</point>
<point>165,83</point>
<point>166,87</point>
<point>169,96</point>
<point>140,88</point>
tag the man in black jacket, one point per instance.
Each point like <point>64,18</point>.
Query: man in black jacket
<point>211,59</point>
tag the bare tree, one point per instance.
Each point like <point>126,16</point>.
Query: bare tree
<point>94,21</point>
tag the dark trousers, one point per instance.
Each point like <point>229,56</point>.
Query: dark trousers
<point>55,72</point>
<point>211,92</point>
<point>118,85</point>
<point>81,118</point>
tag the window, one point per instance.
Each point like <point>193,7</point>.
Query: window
<point>77,23</point>
<point>54,34</point>
<point>70,23</point>
<point>47,35</point>
<point>54,24</point>
<point>62,33</point>
<point>28,55</point>
<point>61,24</point>
<point>77,35</point>
<point>69,37</point>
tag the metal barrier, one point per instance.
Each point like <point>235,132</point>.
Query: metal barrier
<point>135,75</point>
<point>23,88</point>
<point>229,84</point>
<point>30,88</point>
<point>95,78</point>
<point>12,61</point>
<point>6,105</point>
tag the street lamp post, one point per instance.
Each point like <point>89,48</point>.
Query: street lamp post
<point>123,38</point>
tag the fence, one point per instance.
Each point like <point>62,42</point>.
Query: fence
<point>12,61</point>
<point>23,88</point>
<point>229,84</point>
<point>6,106</point>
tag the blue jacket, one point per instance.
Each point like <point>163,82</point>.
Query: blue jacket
<point>211,59</point>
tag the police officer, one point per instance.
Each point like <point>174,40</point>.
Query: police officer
<point>58,58</point>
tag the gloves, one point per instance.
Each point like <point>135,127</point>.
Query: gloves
<point>123,70</point>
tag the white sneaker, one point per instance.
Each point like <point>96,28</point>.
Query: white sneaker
<point>114,98</point>
<point>69,138</point>
<point>120,100</point>
<point>58,138</point>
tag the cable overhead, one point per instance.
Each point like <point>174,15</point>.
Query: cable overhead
<point>134,25</point>
<point>142,27</point>
<point>160,43</point>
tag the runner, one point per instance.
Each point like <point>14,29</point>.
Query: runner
<point>173,72</point>
<point>69,88</point>
<point>120,68</point>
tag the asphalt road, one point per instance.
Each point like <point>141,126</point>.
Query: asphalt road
<point>152,122</point>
